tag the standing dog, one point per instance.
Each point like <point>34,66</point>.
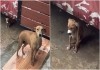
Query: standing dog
<point>34,39</point>
<point>75,32</point>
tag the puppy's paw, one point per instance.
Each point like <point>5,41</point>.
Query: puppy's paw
<point>7,26</point>
<point>68,47</point>
<point>73,47</point>
<point>75,50</point>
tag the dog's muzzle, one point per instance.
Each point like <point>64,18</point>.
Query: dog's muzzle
<point>40,35</point>
<point>69,32</point>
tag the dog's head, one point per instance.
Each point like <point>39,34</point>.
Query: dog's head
<point>72,26</point>
<point>40,30</point>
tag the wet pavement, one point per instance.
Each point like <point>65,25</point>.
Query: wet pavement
<point>88,54</point>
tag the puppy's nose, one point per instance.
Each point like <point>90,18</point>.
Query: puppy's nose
<point>69,33</point>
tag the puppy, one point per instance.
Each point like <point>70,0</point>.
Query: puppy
<point>9,21</point>
<point>34,39</point>
<point>75,32</point>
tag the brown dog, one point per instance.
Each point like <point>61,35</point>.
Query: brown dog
<point>75,32</point>
<point>34,39</point>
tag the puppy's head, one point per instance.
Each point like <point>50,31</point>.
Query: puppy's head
<point>40,30</point>
<point>7,19</point>
<point>72,26</point>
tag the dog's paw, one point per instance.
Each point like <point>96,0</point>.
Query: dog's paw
<point>32,63</point>
<point>68,47</point>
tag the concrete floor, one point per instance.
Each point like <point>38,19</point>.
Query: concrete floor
<point>88,54</point>
<point>8,45</point>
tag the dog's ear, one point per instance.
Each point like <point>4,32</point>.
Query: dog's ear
<point>33,29</point>
<point>44,30</point>
<point>68,19</point>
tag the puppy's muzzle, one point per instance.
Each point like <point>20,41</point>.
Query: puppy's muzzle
<point>7,22</point>
<point>69,32</point>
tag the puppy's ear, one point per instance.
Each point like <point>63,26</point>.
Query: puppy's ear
<point>76,23</point>
<point>44,30</point>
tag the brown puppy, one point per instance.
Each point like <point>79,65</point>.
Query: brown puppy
<point>75,32</point>
<point>34,39</point>
<point>9,21</point>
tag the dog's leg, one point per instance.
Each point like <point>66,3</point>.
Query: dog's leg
<point>23,48</point>
<point>76,46</point>
<point>18,50</point>
<point>36,53</point>
<point>69,46</point>
<point>39,45</point>
<point>32,63</point>
<point>19,46</point>
<point>33,52</point>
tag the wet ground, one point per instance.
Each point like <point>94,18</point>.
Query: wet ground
<point>88,54</point>
<point>8,45</point>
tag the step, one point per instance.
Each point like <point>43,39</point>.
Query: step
<point>24,61</point>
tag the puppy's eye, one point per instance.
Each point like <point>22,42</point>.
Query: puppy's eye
<point>37,29</point>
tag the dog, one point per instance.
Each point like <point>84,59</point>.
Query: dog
<point>9,22</point>
<point>75,32</point>
<point>34,39</point>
